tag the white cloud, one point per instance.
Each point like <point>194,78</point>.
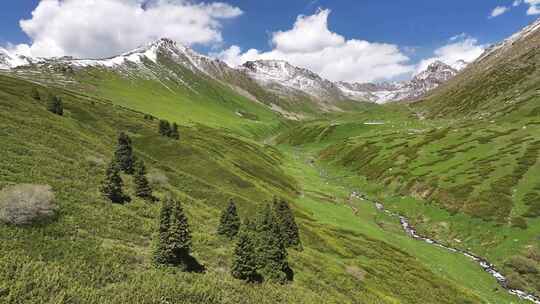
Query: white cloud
<point>499,10</point>
<point>517,3</point>
<point>310,44</point>
<point>97,28</point>
<point>460,47</point>
<point>534,7</point>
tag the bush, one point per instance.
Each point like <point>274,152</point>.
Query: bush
<point>157,178</point>
<point>25,203</point>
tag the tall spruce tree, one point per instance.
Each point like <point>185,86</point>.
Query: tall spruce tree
<point>55,105</point>
<point>124,153</point>
<point>162,252</point>
<point>174,132</point>
<point>271,251</point>
<point>174,237</point>
<point>230,221</point>
<point>244,266</point>
<point>142,186</point>
<point>111,187</point>
<point>287,223</point>
<point>164,128</point>
<point>179,236</point>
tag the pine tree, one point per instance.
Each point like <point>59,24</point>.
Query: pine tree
<point>174,240</point>
<point>111,186</point>
<point>163,253</point>
<point>124,153</point>
<point>142,186</point>
<point>164,128</point>
<point>35,94</point>
<point>55,105</point>
<point>229,222</point>
<point>244,266</point>
<point>174,132</point>
<point>287,224</point>
<point>271,251</point>
<point>179,235</point>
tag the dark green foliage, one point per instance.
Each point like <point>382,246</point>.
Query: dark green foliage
<point>230,221</point>
<point>111,187</point>
<point>174,132</point>
<point>55,105</point>
<point>168,130</point>
<point>164,128</point>
<point>174,240</point>
<point>271,251</point>
<point>35,94</point>
<point>162,253</point>
<point>287,224</point>
<point>244,266</point>
<point>142,186</point>
<point>124,153</point>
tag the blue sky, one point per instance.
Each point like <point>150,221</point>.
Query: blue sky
<point>409,32</point>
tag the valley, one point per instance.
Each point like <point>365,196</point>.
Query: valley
<point>457,159</point>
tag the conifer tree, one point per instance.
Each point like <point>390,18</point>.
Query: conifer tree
<point>287,223</point>
<point>163,253</point>
<point>174,132</point>
<point>35,94</point>
<point>164,128</point>
<point>55,105</point>
<point>142,186</point>
<point>244,266</point>
<point>174,237</point>
<point>111,186</point>
<point>179,235</point>
<point>271,251</point>
<point>124,153</point>
<point>230,221</point>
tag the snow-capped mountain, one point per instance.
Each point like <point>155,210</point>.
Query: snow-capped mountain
<point>165,61</point>
<point>157,52</point>
<point>10,61</point>
<point>284,79</point>
<point>436,74</point>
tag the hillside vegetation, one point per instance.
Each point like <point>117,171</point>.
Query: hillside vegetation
<point>93,251</point>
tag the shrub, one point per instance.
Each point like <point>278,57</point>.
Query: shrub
<point>26,203</point>
<point>157,178</point>
<point>519,222</point>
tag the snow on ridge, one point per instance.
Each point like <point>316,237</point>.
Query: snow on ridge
<point>522,34</point>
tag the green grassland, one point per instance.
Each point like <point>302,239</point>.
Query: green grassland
<point>468,182</point>
<point>97,252</point>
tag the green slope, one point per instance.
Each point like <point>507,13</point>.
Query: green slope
<point>95,252</point>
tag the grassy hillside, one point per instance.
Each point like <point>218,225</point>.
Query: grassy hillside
<point>449,176</point>
<point>174,93</point>
<point>97,252</point>
<point>503,83</point>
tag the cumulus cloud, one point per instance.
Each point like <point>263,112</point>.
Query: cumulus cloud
<point>312,45</point>
<point>499,10</point>
<point>460,47</point>
<point>534,7</point>
<point>90,28</point>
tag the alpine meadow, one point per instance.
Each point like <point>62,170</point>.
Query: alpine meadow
<point>315,167</point>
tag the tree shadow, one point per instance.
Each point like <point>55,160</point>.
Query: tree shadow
<point>289,273</point>
<point>192,265</point>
